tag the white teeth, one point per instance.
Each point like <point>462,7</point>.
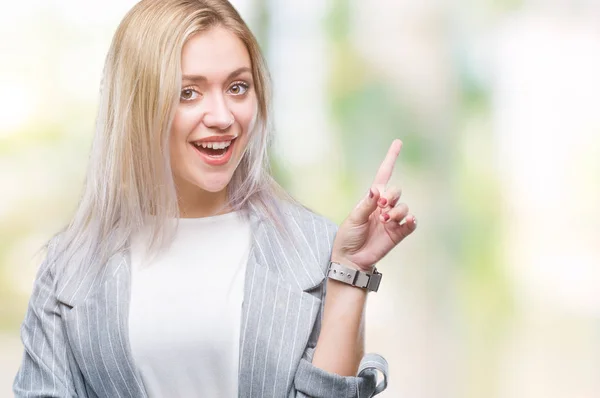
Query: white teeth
<point>213,145</point>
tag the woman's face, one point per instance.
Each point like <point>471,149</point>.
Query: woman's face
<point>216,111</point>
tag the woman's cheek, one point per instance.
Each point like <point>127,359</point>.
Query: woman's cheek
<point>184,120</point>
<point>247,116</point>
<point>178,123</point>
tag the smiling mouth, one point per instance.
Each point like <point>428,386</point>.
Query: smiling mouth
<point>215,153</point>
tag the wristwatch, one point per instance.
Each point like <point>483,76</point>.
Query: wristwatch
<point>354,277</point>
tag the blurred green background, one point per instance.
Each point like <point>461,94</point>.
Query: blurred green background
<point>497,103</point>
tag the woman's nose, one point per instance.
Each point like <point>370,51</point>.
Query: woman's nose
<point>218,115</point>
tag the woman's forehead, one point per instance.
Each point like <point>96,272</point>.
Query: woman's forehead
<point>214,54</point>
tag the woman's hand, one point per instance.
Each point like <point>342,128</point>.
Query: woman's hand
<point>377,224</point>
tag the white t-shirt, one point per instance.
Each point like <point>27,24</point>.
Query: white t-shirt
<point>185,311</point>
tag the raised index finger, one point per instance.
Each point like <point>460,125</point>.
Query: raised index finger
<point>387,166</point>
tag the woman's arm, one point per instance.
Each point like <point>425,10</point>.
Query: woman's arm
<point>341,344</point>
<point>371,230</point>
<point>320,380</point>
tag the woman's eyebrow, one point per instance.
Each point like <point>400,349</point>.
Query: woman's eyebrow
<point>200,78</point>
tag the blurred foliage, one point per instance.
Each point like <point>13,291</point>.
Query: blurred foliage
<point>364,106</point>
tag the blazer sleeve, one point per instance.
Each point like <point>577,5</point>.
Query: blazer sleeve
<point>314,382</point>
<point>44,370</point>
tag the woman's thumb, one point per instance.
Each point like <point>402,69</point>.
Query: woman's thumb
<point>365,207</point>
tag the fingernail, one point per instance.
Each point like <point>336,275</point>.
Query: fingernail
<point>415,221</point>
<point>371,194</point>
<point>382,201</point>
<point>386,217</point>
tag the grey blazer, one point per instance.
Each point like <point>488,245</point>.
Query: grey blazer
<point>76,338</point>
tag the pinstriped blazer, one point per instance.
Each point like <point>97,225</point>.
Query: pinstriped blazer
<point>76,338</point>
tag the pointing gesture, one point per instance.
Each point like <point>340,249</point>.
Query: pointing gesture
<point>377,224</point>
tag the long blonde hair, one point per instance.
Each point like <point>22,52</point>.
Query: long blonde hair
<point>129,175</point>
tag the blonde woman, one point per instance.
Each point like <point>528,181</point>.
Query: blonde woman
<point>186,271</point>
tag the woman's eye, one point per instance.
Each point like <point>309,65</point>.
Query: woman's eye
<point>238,88</point>
<point>189,94</point>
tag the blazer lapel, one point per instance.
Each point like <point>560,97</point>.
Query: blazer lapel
<point>278,311</point>
<point>97,329</point>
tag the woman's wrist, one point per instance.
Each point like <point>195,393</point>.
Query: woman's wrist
<point>340,259</point>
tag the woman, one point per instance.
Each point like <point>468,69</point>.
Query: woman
<point>186,270</point>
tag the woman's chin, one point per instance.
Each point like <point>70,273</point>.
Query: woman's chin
<point>213,186</point>
<point>214,189</point>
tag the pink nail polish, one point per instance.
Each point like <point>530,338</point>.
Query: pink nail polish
<point>386,217</point>
<point>382,201</point>
<point>371,193</point>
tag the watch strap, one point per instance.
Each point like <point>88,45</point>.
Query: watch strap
<point>354,277</point>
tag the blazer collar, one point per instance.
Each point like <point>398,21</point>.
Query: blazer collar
<point>300,268</point>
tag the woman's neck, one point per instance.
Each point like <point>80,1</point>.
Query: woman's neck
<point>195,202</point>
